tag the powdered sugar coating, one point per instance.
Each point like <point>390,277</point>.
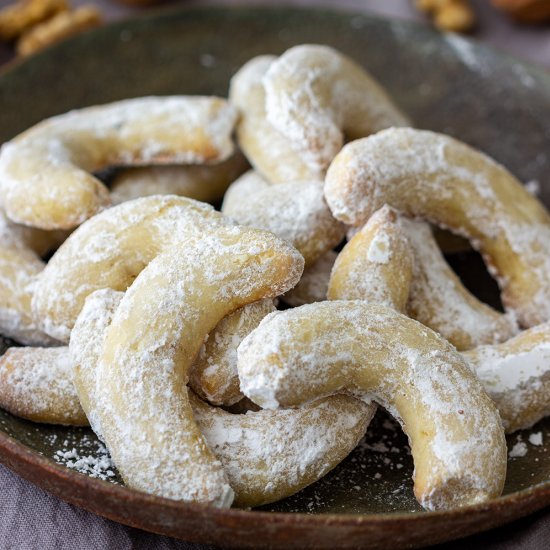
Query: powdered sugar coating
<point>375,265</point>
<point>269,455</point>
<point>439,300</point>
<point>267,150</point>
<point>86,344</point>
<point>516,374</point>
<point>373,352</point>
<point>214,373</point>
<point>37,384</point>
<point>110,250</point>
<point>19,267</point>
<point>444,181</point>
<point>315,95</point>
<point>45,173</point>
<point>295,211</point>
<point>157,330</point>
<point>379,251</point>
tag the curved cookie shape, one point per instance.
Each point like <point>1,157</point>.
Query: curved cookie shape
<point>156,332</point>
<point>437,178</point>
<point>314,96</point>
<point>110,250</point>
<point>86,345</point>
<point>213,375</point>
<point>270,455</point>
<point>265,148</point>
<point>313,285</point>
<point>516,375</point>
<point>262,452</point>
<point>296,212</point>
<point>373,352</point>
<point>45,173</point>
<point>431,294</point>
<point>439,300</point>
<point>205,183</point>
<point>376,265</point>
<point>37,384</point>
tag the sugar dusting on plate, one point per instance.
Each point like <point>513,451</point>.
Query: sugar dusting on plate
<point>85,454</point>
<point>97,466</point>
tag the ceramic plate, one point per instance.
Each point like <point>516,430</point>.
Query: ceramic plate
<point>444,83</point>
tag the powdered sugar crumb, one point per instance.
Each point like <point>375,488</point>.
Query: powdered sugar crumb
<point>536,439</point>
<point>97,465</point>
<point>533,187</point>
<point>518,450</point>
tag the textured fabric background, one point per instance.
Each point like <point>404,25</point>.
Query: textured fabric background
<point>32,519</point>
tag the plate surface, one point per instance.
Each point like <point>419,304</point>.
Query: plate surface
<point>444,83</point>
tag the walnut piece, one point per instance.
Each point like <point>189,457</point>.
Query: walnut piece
<point>19,17</point>
<point>449,15</point>
<point>57,28</point>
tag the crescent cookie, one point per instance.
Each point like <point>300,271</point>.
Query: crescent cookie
<point>214,373</point>
<point>373,352</point>
<point>296,212</point>
<point>262,452</point>
<point>313,285</point>
<point>516,374</point>
<point>376,265</point>
<point>267,151</point>
<point>206,183</point>
<point>314,95</point>
<point>415,279</point>
<point>109,250</point>
<point>86,345</point>
<point>270,455</point>
<point>141,402</point>
<point>439,300</point>
<point>45,173</point>
<point>37,384</point>
<point>437,178</point>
